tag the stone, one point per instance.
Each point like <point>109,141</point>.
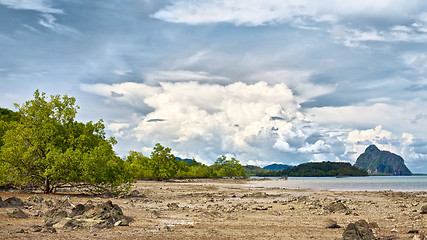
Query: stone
<point>17,213</point>
<point>36,228</point>
<point>80,209</point>
<point>106,211</point>
<point>419,237</point>
<point>358,231</point>
<point>330,223</point>
<point>338,207</point>
<point>48,230</point>
<point>122,222</point>
<point>54,216</point>
<point>173,206</point>
<point>1,202</point>
<point>35,199</point>
<point>64,203</point>
<point>424,209</point>
<point>13,202</point>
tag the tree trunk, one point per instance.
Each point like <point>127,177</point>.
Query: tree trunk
<point>47,186</point>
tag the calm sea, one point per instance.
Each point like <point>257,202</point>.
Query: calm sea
<point>371,183</point>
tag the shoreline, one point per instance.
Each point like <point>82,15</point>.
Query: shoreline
<point>229,209</point>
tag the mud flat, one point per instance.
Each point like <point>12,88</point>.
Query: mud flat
<point>218,209</point>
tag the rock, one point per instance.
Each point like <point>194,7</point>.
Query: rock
<point>122,222</point>
<point>260,207</point>
<point>80,209</point>
<point>36,228</point>
<point>338,207</point>
<point>64,203</point>
<point>412,231</point>
<point>394,230</point>
<point>330,223</point>
<point>1,202</point>
<point>48,230</point>
<point>14,202</point>
<point>173,206</point>
<point>424,209</point>
<point>17,213</point>
<point>35,199</point>
<point>107,211</point>
<point>75,223</point>
<point>54,216</point>
<point>419,237</point>
<point>358,231</point>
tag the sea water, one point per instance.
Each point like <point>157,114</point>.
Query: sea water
<point>370,183</point>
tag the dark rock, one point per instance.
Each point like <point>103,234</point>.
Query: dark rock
<point>17,213</point>
<point>36,228</point>
<point>373,225</point>
<point>1,202</point>
<point>14,202</point>
<point>330,223</point>
<point>424,209</point>
<point>35,199</point>
<point>64,203</point>
<point>54,216</point>
<point>375,161</point>
<point>412,231</point>
<point>107,211</point>
<point>358,231</point>
<point>80,209</point>
<point>338,207</point>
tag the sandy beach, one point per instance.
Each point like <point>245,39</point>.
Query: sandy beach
<point>230,209</point>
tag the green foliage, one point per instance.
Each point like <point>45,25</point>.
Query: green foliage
<point>252,170</point>
<point>163,163</point>
<point>228,168</point>
<point>324,169</point>
<point>48,148</point>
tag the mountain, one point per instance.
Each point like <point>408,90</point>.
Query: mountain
<point>277,167</point>
<point>383,162</point>
<point>252,170</point>
<point>324,169</point>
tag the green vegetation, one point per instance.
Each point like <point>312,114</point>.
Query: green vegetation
<point>47,148</point>
<point>252,170</point>
<point>324,169</point>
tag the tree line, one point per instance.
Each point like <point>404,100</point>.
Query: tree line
<point>43,146</point>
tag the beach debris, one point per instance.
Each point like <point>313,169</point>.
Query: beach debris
<point>424,209</point>
<point>330,223</point>
<point>359,230</point>
<point>103,215</point>
<point>17,213</point>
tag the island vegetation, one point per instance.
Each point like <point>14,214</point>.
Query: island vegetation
<point>314,169</point>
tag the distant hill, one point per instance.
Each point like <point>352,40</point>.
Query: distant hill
<point>324,169</point>
<point>277,167</point>
<point>252,170</point>
<point>188,161</point>
<point>382,162</point>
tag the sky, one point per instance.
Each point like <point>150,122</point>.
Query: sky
<point>269,81</point>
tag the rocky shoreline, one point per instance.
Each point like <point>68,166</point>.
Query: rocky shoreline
<point>214,209</point>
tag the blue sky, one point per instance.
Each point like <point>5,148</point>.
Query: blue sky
<point>263,81</point>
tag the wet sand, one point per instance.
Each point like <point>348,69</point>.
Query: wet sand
<point>232,209</point>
